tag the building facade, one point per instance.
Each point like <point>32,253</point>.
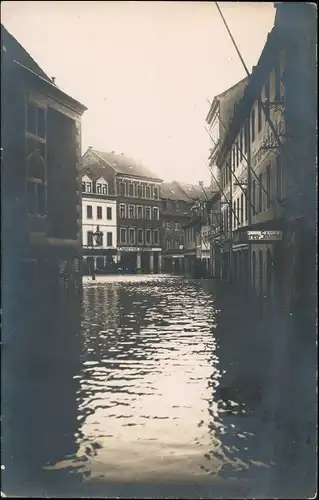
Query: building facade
<point>99,223</point>
<point>175,213</point>
<point>41,185</point>
<point>218,121</point>
<point>267,164</point>
<point>137,193</point>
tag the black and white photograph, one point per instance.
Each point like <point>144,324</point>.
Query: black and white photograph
<point>159,249</point>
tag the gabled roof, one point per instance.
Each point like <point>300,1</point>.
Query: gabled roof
<point>123,165</point>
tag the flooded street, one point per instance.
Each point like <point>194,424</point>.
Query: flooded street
<point>146,411</point>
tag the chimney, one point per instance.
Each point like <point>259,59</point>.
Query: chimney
<point>53,79</point>
<point>90,147</point>
<point>113,152</point>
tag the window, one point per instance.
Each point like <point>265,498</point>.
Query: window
<point>89,187</point>
<point>155,193</point>
<point>277,81</point>
<point>131,212</point>
<point>238,211</point>
<point>109,239</point>
<point>278,177</point>
<point>234,157</point>
<point>268,186</point>
<point>155,213</point>
<point>140,236</point>
<point>254,197</point>
<point>104,189</point>
<point>99,188</point>
<point>90,239</point>
<point>148,236</point>
<point>131,189</point>
<point>177,226</point>
<point>148,192</point>
<point>109,213</point>
<point>89,213</point>
<point>237,155</point>
<point>147,213</point>
<point>99,212</point>
<point>227,220</point>
<point>131,233</point>
<point>36,186</point>
<point>178,207</point>
<point>253,125</point>
<point>234,211</point>
<point>83,187</point>
<point>168,226</point>
<point>242,209</point>
<point>36,120</point>
<point>140,212</point>
<point>122,211</point>
<point>246,135</point>
<point>122,189</point>
<point>139,191</point>
<point>241,144</point>
<point>259,115</point>
<point>155,236</point>
<point>267,95</point>
<point>260,193</point>
<point>123,235</point>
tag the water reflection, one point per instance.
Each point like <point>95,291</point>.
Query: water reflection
<point>163,401</point>
<point>148,406</point>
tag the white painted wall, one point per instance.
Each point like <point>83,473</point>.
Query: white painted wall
<point>105,225</point>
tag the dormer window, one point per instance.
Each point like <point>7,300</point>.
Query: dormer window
<point>89,187</point>
<point>101,186</point>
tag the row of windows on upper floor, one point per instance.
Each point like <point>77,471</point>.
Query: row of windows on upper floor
<point>129,189</point>
<point>140,236</point>
<point>240,146</point>
<point>269,185</point>
<point>172,226</point>
<point>99,212</point>
<point>138,212</point>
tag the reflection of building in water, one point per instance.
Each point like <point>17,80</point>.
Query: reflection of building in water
<point>39,411</point>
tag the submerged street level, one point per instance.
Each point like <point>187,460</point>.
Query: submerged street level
<point>154,405</point>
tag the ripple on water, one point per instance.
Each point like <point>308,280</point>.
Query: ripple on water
<point>146,402</point>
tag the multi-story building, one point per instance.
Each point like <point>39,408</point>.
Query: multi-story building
<point>99,221</point>
<point>218,120</point>
<point>137,192</point>
<point>41,186</point>
<point>175,213</point>
<point>261,158</point>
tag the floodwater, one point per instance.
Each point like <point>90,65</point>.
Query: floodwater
<point>146,408</point>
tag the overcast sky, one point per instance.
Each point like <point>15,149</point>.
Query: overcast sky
<point>143,69</point>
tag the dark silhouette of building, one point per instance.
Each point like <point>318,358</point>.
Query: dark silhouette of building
<point>41,190</point>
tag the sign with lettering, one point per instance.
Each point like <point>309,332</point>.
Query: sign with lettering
<point>264,235</point>
<point>129,249</point>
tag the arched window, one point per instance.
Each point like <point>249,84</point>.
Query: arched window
<point>253,277</point>
<point>36,184</point>
<point>261,268</point>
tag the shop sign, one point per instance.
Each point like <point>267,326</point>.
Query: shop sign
<point>265,235</point>
<point>129,249</point>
